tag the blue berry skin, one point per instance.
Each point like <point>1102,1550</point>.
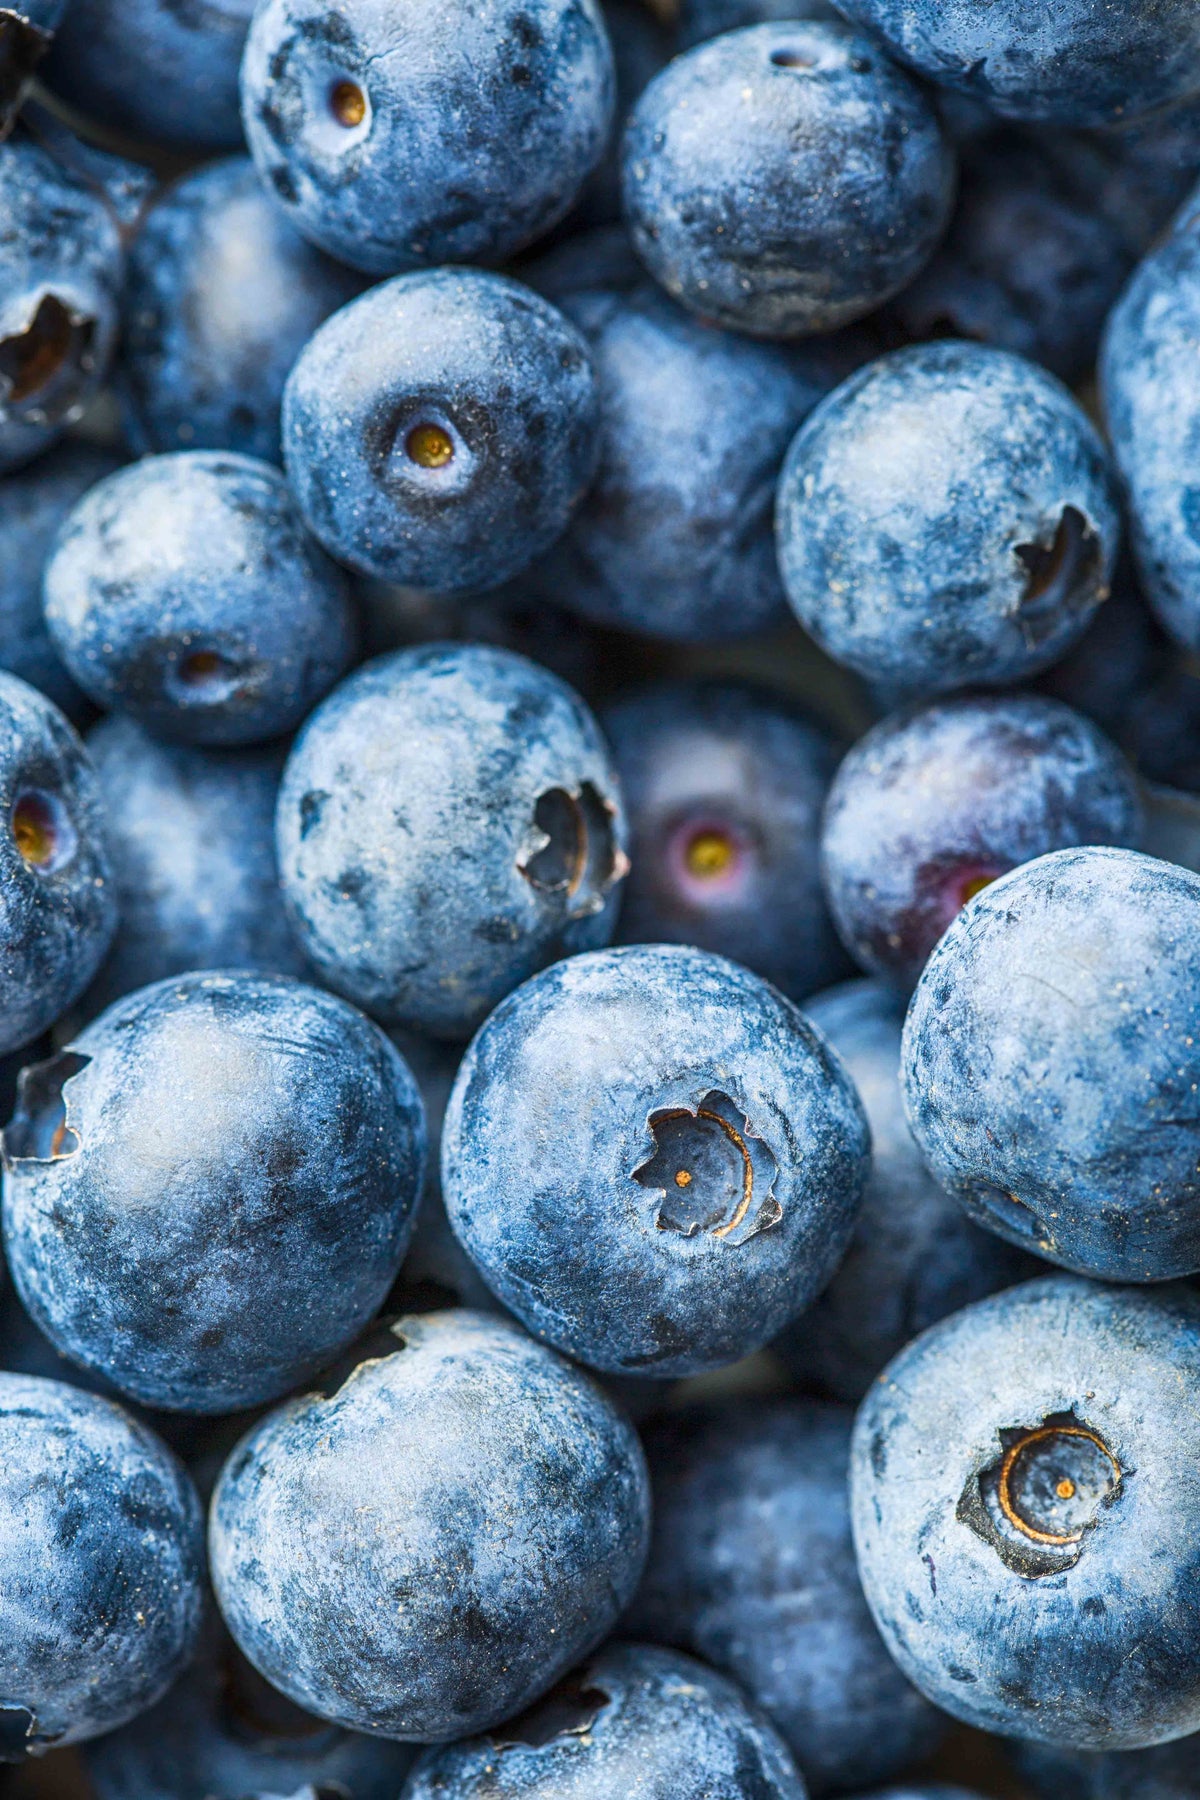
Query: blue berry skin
<point>635,1720</point>
<point>1049,1059</point>
<point>444,134</point>
<point>191,836</point>
<point>101,1566</point>
<point>58,907</point>
<point>185,591</point>
<point>724,784</point>
<point>1024,1493</point>
<point>27,30</point>
<point>33,504</point>
<point>61,268</point>
<point>785,179</point>
<point>1079,62</point>
<point>938,800</point>
<point>703,19</point>
<point>222,295</point>
<point>915,1257</point>
<point>947,517</point>
<point>751,1567</point>
<point>171,1216</point>
<point>1164,1772</point>
<point>653,1159</point>
<point>155,69</point>
<point>439,430</point>
<point>488,1489</point>
<point>449,821</point>
<point>1151,398</point>
<point>673,538</point>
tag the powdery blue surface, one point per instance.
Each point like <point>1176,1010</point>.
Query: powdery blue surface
<point>481,1484</point>
<point>578,1106</point>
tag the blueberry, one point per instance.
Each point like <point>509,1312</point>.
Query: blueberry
<point>33,504</point>
<point>448,134</point>
<point>449,822</point>
<point>915,1256</point>
<point>1049,1053</point>
<point>946,517</point>
<point>160,69</point>
<point>185,591</point>
<point>1164,1772</point>
<point>785,179</point>
<point>481,1484</point>
<point>1079,62</point>
<point>222,296</point>
<point>209,1191</point>
<point>751,1567</point>
<point>673,538</point>
<point>1024,1492</point>
<point>27,30</point>
<point>936,802</point>
<point>702,19</point>
<point>191,837</point>
<point>61,268</point>
<point>634,1720</point>
<point>58,907</point>
<point>653,1159</point>
<point>724,785</point>
<point>101,1565</point>
<point>223,1734</point>
<point>439,430</point>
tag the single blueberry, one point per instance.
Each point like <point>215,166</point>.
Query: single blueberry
<point>101,1566</point>
<point>786,178</point>
<point>185,590</point>
<point>439,430</point>
<point>634,1720</point>
<point>724,784</point>
<point>751,1567</point>
<point>1025,1483</point>
<point>449,822</point>
<point>58,907</point>
<point>27,30</point>
<point>653,1159</point>
<point>221,297</point>
<point>915,1256</point>
<point>61,269</point>
<point>484,1486</point>
<point>947,516</point>
<point>445,134</point>
<point>1051,1053</point>
<point>937,801</point>
<point>209,1191</point>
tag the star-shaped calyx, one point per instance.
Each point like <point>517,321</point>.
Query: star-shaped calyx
<point>713,1173</point>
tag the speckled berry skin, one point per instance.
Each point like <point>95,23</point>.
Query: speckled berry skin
<point>751,1567</point>
<point>449,821</point>
<point>653,1159</point>
<point>529,88</point>
<point>170,1215</point>
<point>221,297</point>
<point>61,269</point>
<point>737,178</point>
<point>58,908</point>
<point>915,1256</point>
<point>191,836</point>
<point>488,1488</point>
<point>1080,62</point>
<point>947,517</point>
<point>1164,1772</point>
<point>503,380</point>
<point>636,1721</point>
<point>101,1566</point>
<point>186,591</point>
<point>33,504</point>
<point>1050,1053</point>
<point>166,70</point>
<point>938,800</point>
<point>27,29</point>
<point>724,784</point>
<point>1060,1409</point>
<point>673,538</point>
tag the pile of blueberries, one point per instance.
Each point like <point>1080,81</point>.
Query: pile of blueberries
<point>600,899</point>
